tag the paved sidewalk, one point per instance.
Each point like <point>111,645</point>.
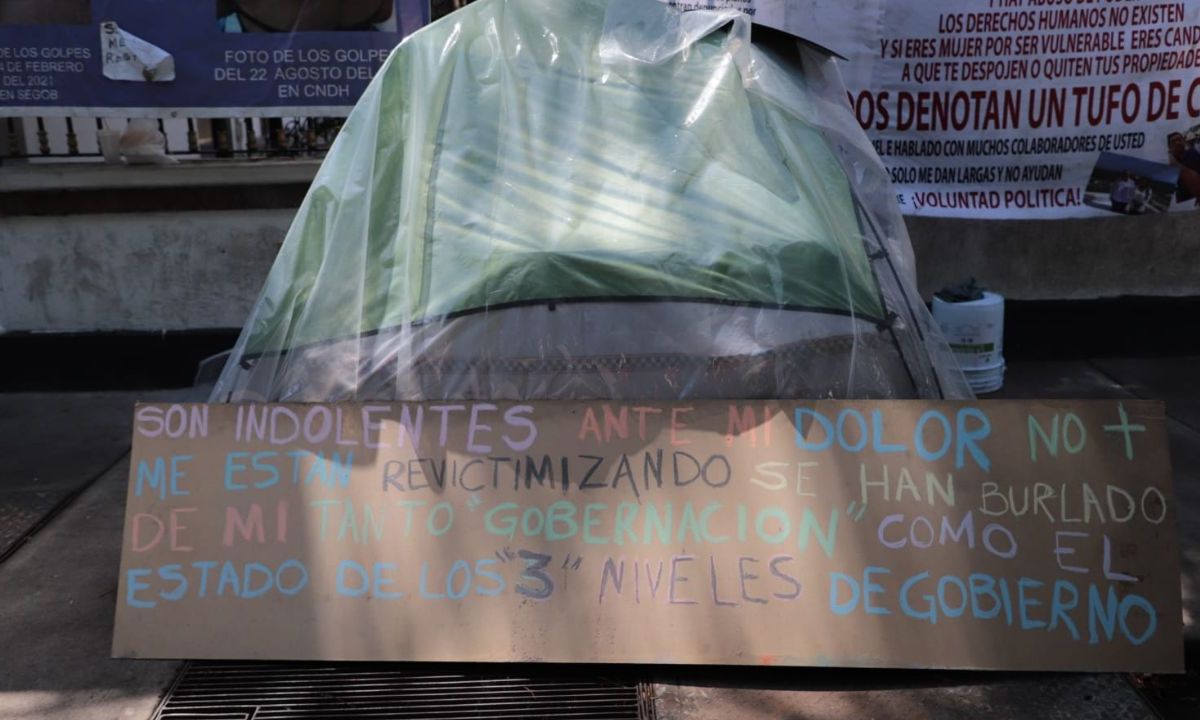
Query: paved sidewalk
<point>58,588</point>
<point>57,596</point>
<point>54,445</point>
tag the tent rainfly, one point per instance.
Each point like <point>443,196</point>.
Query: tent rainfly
<point>549,199</point>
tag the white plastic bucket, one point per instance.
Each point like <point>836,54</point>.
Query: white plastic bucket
<point>975,332</point>
<point>985,379</point>
<point>974,329</point>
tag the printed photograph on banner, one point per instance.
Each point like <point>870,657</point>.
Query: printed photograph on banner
<point>273,16</point>
<point>1184,154</point>
<point>45,12</point>
<point>1131,186</point>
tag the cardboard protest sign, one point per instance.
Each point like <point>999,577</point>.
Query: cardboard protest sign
<point>1004,534</point>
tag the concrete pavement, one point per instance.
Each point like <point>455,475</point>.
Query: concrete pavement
<point>54,445</point>
<point>57,595</point>
<point>58,588</point>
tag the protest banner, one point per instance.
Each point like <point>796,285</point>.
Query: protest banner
<point>199,58</point>
<point>1035,535</point>
<point>1024,109</point>
<point>985,109</point>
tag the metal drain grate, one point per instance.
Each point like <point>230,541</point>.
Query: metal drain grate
<point>258,691</point>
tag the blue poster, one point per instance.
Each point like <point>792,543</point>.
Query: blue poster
<point>199,58</point>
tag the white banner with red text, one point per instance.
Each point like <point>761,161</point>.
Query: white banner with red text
<point>1020,109</point>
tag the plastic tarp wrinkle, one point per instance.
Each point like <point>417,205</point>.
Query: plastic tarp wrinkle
<point>591,199</point>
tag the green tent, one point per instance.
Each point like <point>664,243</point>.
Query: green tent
<point>591,198</point>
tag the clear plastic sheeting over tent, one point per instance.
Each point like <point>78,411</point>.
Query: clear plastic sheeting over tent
<point>570,199</point>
